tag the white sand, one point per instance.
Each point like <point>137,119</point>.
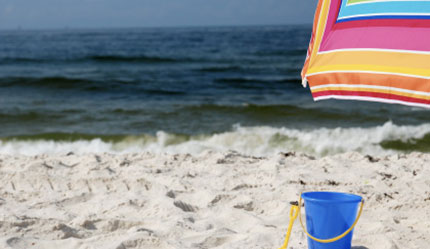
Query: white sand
<point>210,201</point>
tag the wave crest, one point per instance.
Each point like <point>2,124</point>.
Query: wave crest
<point>261,140</point>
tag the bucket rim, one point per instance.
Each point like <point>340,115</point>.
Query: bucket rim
<point>351,198</point>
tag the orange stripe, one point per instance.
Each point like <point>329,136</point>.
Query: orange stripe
<point>403,82</point>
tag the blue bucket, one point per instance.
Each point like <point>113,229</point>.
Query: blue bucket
<point>328,215</point>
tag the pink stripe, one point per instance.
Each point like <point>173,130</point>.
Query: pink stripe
<point>404,38</point>
<point>331,19</point>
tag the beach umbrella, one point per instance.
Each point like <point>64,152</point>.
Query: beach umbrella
<point>372,50</point>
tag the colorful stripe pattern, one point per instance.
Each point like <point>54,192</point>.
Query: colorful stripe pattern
<point>374,50</point>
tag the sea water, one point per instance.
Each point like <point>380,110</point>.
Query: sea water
<point>183,90</point>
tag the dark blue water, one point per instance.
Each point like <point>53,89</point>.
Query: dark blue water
<point>87,84</point>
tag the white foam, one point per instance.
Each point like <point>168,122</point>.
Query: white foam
<point>259,141</point>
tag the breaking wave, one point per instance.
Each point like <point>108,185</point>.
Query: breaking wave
<point>259,141</point>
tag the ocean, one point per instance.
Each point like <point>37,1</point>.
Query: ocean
<point>183,90</point>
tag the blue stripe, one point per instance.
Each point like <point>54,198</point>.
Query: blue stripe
<point>408,8</point>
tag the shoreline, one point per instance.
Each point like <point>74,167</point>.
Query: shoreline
<point>383,140</point>
<point>222,200</point>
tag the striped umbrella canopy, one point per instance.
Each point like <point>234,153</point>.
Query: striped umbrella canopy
<point>373,50</point>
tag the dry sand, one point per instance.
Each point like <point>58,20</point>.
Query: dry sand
<point>212,200</point>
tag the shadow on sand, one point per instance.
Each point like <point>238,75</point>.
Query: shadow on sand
<point>359,247</point>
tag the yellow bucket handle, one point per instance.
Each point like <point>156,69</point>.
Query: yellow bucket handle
<point>335,238</point>
<point>294,212</point>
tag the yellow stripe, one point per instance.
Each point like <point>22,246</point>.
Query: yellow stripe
<point>372,61</point>
<point>411,95</point>
<point>383,58</point>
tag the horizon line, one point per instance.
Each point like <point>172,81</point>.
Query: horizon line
<point>20,28</point>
